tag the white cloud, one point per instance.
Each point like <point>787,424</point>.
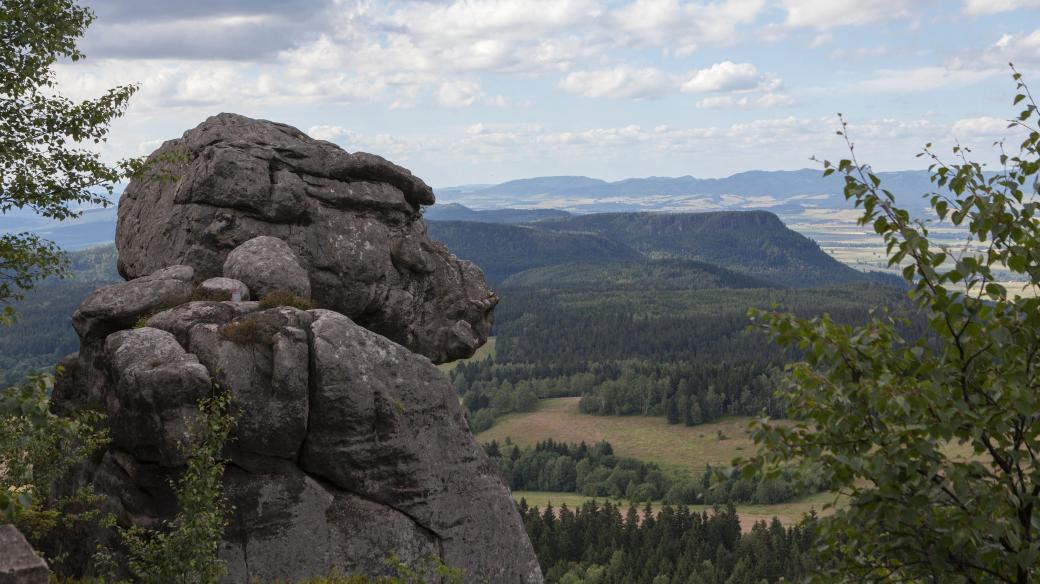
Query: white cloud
<point>765,100</point>
<point>533,139</point>
<point>1019,49</point>
<point>327,132</point>
<point>821,39</point>
<point>923,79</point>
<point>980,127</point>
<point>977,7</point>
<point>459,93</point>
<point>683,26</point>
<point>211,85</point>
<point>825,14</point>
<point>622,82</point>
<point>726,76</point>
<point>626,82</point>
<point>404,53</point>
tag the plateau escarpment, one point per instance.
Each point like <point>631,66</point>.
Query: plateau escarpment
<point>349,444</point>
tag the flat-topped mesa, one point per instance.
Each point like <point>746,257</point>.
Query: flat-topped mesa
<point>352,220</point>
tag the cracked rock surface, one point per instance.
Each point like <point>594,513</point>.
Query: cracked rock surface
<point>350,446</point>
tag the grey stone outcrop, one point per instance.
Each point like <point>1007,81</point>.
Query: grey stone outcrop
<point>19,564</point>
<point>349,444</point>
<point>352,221</point>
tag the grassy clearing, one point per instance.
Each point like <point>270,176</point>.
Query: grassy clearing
<point>650,439</point>
<point>485,352</point>
<point>787,513</point>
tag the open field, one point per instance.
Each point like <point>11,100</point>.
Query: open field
<point>650,439</point>
<point>488,350</point>
<point>787,513</point>
<point>645,438</point>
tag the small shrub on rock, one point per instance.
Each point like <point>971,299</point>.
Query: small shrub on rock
<point>285,298</point>
<point>242,332</point>
<point>185,549</point>
<point>200,293</point>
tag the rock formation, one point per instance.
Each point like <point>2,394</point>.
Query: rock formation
<point>19,564</point>
<point>352,220</point>
<point>349,444</point>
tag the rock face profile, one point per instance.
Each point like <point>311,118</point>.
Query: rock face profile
<point>351,220</point>
<point>349,445</point>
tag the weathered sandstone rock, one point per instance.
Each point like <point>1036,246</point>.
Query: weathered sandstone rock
<point>352,220</point>
<point>19,564</point>
<point>118,306</point>
<point>349,444</point>
<point>348,447</point>
<point>267,264</point>
<point>224,289</point>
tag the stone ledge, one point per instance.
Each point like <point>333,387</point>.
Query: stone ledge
<point>19,564</point>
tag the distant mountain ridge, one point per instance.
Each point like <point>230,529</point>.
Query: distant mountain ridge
<point>457,212</point>
<point>755,243</point>
<point>636,276</point>
<point>783,191</point>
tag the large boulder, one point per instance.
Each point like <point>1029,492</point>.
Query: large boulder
<point>388,427</point>
<point>118,306</point>
<point>225,289</point>
<point>155,386</point>
<point>262,359</point>
<point>352,220</point>
<point>267,264</point>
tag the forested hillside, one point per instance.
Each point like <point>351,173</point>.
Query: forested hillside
<point>756,243</point>
<point>632,275</point>
<point>752,243</point>
<point>43,333</point>
<point>504,250</point>
<point>680,353</point>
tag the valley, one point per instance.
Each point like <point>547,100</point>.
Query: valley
<point>627,329</point>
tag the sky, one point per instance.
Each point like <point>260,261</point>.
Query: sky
<point>484,91</point>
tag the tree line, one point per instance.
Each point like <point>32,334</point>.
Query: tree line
<point>686,355</point>
<point>595,471</point>
<point>603,544</point>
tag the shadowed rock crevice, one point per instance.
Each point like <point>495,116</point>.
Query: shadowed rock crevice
<point>350,445</point>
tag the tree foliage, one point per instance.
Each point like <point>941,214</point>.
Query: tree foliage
<point>933,441</point>
<point>47,160</point>
<point>673,352</point>
<point>37,447</point>
<point>595,471</point>
<point>604,544</point>
<point>185,549</point>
